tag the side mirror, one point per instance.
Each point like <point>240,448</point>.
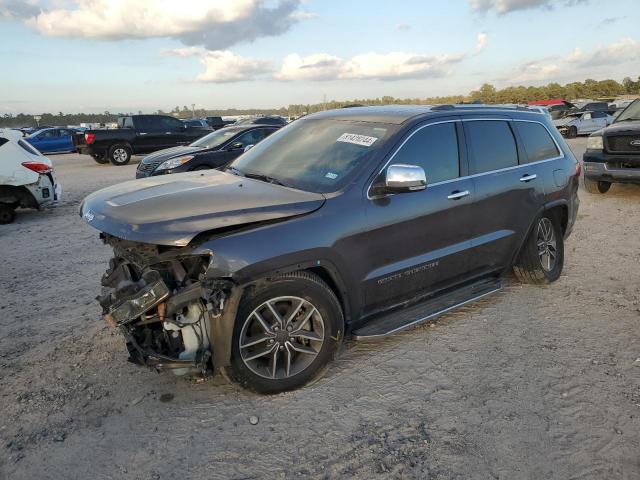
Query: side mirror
<point>248,147</point>
<point>400,179</point>
<point>235,146</point>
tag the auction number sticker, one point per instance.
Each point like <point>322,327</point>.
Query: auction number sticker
<point>363,140</point>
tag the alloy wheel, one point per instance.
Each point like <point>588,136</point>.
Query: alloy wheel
<point>281,337</point>
<point>120,155</point>
<point>547,245</point>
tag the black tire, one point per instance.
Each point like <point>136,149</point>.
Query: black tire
<point>530,266</point>
<point>7,214</point>
<point>101,159</point>
<point>119,154</point>
<point>303,286</point>
<point>596,187</point>
<point>572,132</point>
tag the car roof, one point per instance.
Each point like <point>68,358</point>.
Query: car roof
<point>399,114</point>
<point>395,114</point>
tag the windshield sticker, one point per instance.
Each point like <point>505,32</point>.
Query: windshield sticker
<point>331,175</point>
<point>357,139</point>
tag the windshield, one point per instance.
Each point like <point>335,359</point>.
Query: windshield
<point>314,155</point>
<point>215,139</point>
<point>632,112</point>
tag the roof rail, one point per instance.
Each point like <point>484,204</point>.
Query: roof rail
<point>475,106</point>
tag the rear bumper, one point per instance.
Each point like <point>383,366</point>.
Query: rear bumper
<point>89,150</point>
<point>46,191</point>
<point>601,166</point>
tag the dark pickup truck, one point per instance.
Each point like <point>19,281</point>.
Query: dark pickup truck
<point>613,153</point>
<point>136,134</point>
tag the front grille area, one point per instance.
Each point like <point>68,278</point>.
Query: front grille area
<point>146,168</point>
<point>622,143</point>
<point>622,165</point>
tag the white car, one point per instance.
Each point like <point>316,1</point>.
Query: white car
<point>26,177</point>
<point>582,123</point>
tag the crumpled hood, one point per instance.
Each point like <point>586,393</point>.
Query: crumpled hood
<point>173,209</point>
<point>561,122</point>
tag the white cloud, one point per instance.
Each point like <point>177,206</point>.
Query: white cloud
<point>577,63</point>
<point>575,55</point>
<point>214,24</point>
<point>320,66</point>
<point>622,51</point>
<point>372,65</point>
<point>503,7</point>
<point>481,42</point>
<point>223,66</point>
<point>403,27</point>
<point>534,72</point>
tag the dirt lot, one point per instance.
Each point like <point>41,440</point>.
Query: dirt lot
<point>531,383</point>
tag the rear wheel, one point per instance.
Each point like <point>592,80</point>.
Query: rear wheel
<point>542,256</point>
<point>596,186</point>
<point>101,159</point>
<point>7,214</point>
<point>287,330</point>
<point>119,154</point>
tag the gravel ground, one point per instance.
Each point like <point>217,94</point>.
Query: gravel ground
<point>531,383</point>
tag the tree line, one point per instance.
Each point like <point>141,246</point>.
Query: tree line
<point>594,89</point>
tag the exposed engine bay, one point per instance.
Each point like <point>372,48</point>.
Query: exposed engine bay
<point>160,300</point>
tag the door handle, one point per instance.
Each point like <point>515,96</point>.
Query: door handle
<point>528,178</point>
<point>167,133</point>
<point>142,133</point>
<point>457,195</point>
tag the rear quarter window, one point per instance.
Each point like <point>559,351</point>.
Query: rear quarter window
<point>537,142</point>
<point>3,141</point>
<point>491,145</point>
<point>26,146</point>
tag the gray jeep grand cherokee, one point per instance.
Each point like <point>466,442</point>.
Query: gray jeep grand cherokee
<point>362,222</point>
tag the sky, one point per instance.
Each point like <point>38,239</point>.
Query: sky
<point>130,55</point>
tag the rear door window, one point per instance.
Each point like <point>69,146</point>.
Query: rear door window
<point>491,145</point>
<point>435,149</point>
<point>537,142</point>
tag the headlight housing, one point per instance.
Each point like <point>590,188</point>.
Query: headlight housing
<point>594,142</point>
<point>174,162</point>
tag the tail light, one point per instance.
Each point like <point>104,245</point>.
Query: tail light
<point>89,138</point>
<point>578,168</point>
<point>37,167</point>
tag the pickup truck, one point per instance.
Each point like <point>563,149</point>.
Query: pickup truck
<point>136,134</point>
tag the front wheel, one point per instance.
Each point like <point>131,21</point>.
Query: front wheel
<point>596,186</point>
<point>288,329</point>
<point>119,154</point>
<point>542,256</point>
<point>7,214</point>
<point>572,132</point>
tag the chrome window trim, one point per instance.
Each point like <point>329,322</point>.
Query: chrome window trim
<point>466,177</point>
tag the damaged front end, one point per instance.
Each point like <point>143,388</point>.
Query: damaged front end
<point>160,299</point>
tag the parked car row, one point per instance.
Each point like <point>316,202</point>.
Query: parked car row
<point>362,221</point>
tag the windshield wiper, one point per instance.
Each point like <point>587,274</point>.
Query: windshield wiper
<point>235,171</point>
<point>265,178</point>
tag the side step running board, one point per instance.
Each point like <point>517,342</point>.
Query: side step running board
<point>411,316</point>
